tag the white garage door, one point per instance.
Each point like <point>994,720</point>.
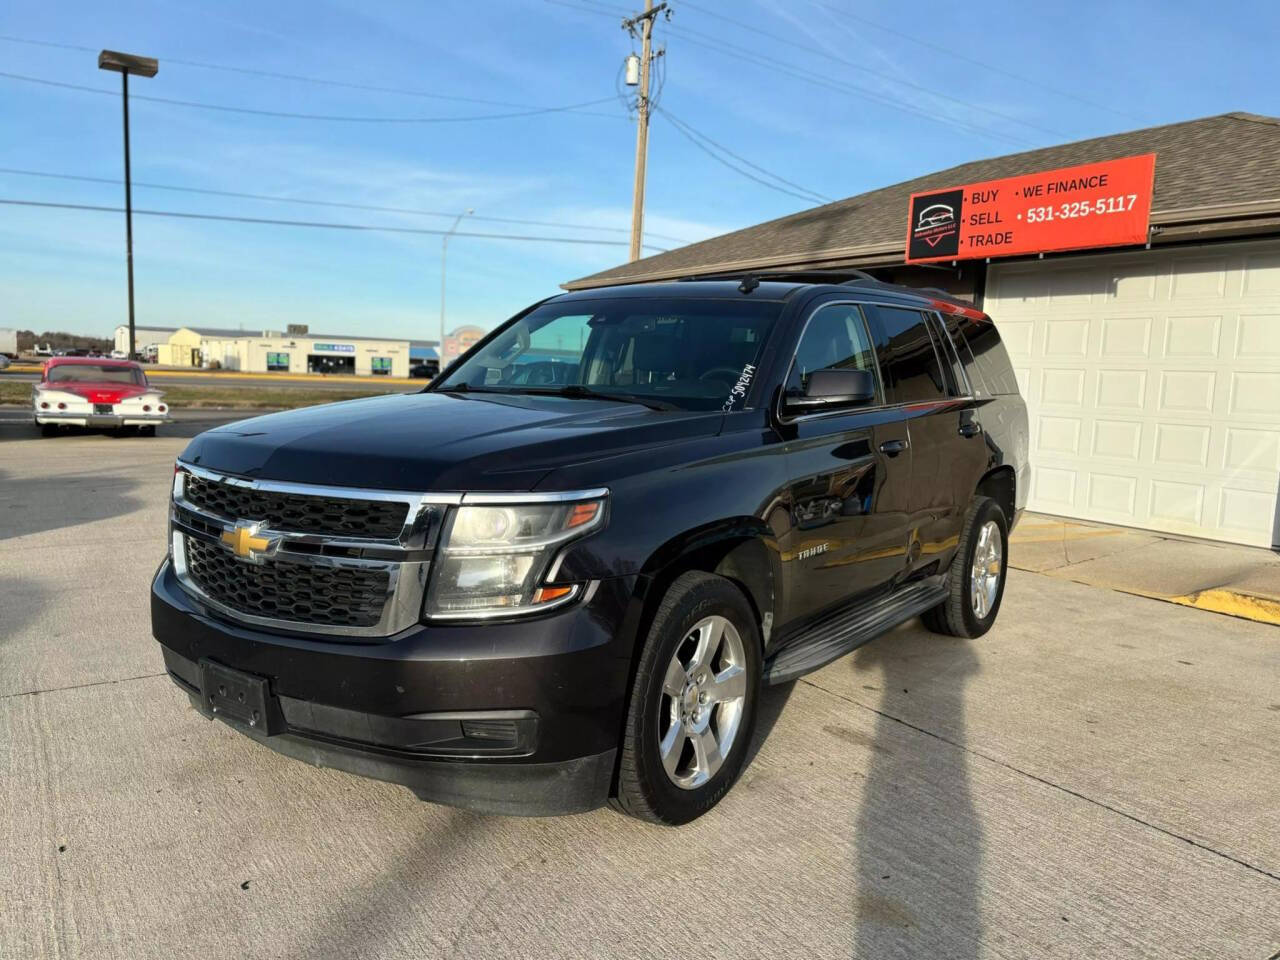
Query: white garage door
<point>1152,382</point>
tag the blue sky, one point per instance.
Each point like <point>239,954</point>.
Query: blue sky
<point>874,105</point>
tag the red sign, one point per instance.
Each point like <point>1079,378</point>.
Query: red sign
<point>1095,205</point>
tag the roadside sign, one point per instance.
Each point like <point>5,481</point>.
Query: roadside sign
<point>1104,204</point>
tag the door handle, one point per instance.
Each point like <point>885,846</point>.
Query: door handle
<point>891,448</point>
<point>970,429</point>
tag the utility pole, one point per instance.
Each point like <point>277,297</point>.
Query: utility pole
<point>444,254</point>
<point>645,22</point>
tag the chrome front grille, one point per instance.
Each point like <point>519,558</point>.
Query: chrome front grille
<point>347,562</point>
<point>296,592</point>
<point>301,512</point>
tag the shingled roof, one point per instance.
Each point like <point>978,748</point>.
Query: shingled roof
<point>1219,168</point>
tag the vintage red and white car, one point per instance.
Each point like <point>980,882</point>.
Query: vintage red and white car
<point>96,392</point>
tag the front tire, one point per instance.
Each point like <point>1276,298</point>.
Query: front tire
<point>977,574</point>
<point>693,702</point>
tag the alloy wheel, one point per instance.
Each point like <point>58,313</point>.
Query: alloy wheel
<point>703,696</point>
<point>987,569</point>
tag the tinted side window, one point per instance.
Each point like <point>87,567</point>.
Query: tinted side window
<point>907,357</point>
<point>956,385</point>
<point>984,351</point>
<point>835,338</point>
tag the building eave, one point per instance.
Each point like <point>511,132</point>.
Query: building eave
<point>1228,219</point>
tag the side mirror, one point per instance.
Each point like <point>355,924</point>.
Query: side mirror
<point>833,390</point>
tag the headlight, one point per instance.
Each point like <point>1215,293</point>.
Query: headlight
<point>493,559</point>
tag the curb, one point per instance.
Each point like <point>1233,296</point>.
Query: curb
<point>1246,606</point>
<point>1229,603</point>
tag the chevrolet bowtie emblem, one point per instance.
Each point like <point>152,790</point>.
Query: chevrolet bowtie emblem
<point>246,544</point>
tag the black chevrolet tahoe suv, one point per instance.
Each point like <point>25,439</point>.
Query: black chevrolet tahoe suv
<point>560,575</point>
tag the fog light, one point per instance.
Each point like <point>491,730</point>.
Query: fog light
<point>497,730</point>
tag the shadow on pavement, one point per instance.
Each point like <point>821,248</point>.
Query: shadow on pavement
<point>769,709</point>
<point>918,837</point>
<point>361,926</point>
<point>16,424</point>
<point>20,602</point>
<point>35,504</point>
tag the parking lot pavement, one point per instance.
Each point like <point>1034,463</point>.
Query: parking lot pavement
<point>1094,778</point>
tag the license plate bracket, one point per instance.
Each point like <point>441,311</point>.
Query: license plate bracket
<point>103,408</point>
<point>237,696</point>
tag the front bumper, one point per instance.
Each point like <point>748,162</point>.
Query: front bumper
<point>101,419</point>
<point>521,717</point>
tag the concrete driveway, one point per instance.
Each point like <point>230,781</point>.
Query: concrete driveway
<point>1094,778</point>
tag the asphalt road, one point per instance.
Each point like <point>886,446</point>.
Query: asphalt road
<point>1094,778</point>
<point>372,384</point>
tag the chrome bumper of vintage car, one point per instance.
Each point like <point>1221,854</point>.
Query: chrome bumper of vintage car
<point>71,419</point>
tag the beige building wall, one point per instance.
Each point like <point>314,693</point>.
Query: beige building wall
<point>182,349</point>
<point>292,354</point>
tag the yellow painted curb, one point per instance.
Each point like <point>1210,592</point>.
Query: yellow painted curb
<point>1244,605</point>
<point>1087,534</point>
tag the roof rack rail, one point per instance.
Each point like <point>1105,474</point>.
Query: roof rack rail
<point>852,274</point>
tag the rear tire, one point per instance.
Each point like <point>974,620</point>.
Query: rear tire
<point>974,599</point>
<point>147,431</point>
<point>693,703</point>
<point>48,430</point>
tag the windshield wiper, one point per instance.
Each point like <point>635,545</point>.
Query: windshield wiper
<point>579,392</point>
<point>467,388</point>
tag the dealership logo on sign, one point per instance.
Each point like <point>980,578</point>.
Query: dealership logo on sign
<point>935,224</point>
<point>935,216</point>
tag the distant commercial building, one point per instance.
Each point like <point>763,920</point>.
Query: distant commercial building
<point>8,341</point>
<point>296,350</point>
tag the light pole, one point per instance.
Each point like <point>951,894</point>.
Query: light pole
<point>125,64</point>
<point>444,254</point>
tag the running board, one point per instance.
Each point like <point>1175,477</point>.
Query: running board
<point>846,630</point>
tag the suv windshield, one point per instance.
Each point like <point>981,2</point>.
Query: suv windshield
<point>95,373</point>
<point>686,354</point>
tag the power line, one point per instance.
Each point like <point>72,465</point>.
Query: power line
<point>621,15</point>
<point>300,78</point>
<point>985,64</point>
<point>719,146</point>
<point>319,225</point>
<point>280,114</point>
<point>739,53</point>
<point>330,203</point>
<point>865,69</point>
<point>800,73</point>
<point>689,135</point>
<point>705,143</point>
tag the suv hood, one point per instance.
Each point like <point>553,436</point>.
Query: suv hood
<point>437,442</point>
